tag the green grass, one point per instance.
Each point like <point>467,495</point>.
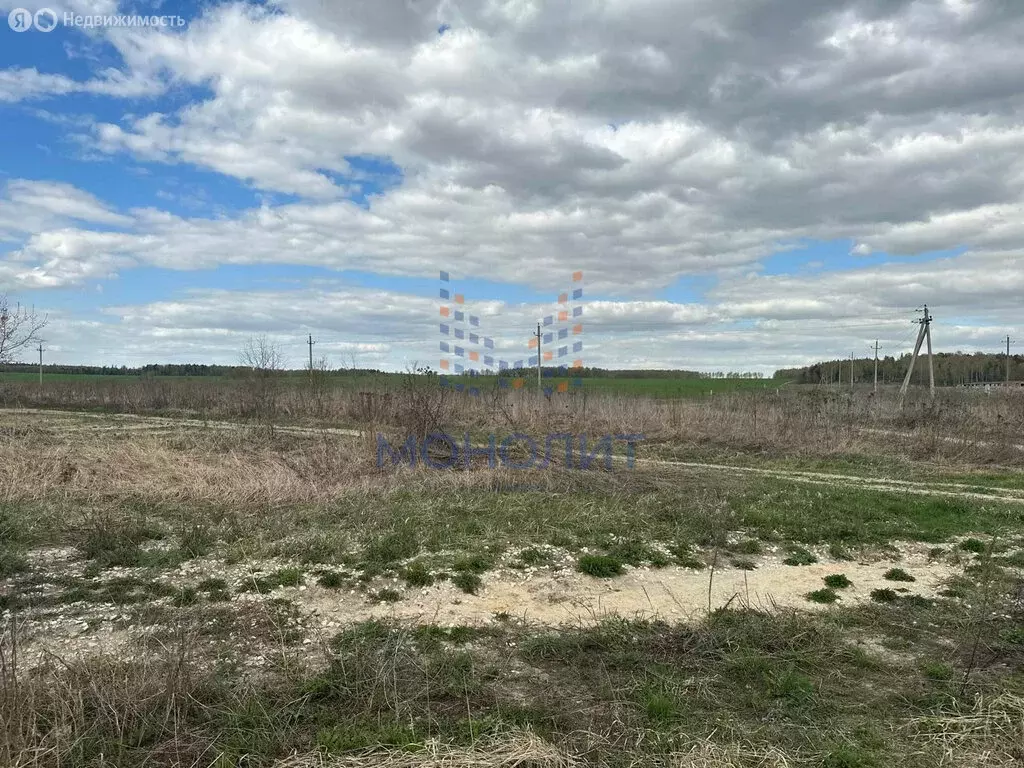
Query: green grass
<point>898,574</point>
<point>599,566</point>
<point>837,581</point>
<point>800,556</point>
<point>825,596</point>
<point>468,582</point>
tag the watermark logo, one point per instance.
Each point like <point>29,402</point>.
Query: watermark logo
<point>468,351</point>
<point>22,20</point>
<point>46,20</point>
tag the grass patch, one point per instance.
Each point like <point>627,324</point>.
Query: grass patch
<point>417,574</point>
<point>977,546</point>
<point>837,581</point>
<point>898,574</point>
<point>284,577</point>
<point>332,580</point>
<point>823,596</point>
<point>468,582</point>
<point>800,556</point>
<point>599,566</point>
<point>884,596</point>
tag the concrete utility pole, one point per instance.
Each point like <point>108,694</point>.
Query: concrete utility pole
<point>40,364</point>
<point>876,366</point>
<point>311,343</point>
<point>540,388</point>
<point>931,364</point>
<point>1009,341</point>
<point>925,332</point>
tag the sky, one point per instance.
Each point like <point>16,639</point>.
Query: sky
<point>744,185</point>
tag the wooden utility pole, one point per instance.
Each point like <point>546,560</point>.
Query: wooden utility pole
<point>851,371</point>
<point>540,388</point>
<point>311,343</point>
<point>40,364</point>
<point>876,366</point>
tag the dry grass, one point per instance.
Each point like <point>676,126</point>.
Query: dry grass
<point>987,732</point>
<point>516,749</point>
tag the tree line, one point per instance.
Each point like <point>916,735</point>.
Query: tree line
<point>952,369</point>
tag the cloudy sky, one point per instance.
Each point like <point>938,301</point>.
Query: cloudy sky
<point>744,184</point>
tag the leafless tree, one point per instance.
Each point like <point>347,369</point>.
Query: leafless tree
<point>19,329</point>
<point>264,361</point>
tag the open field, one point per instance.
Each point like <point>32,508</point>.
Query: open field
<point>779,579</point>
<point>390,382</point>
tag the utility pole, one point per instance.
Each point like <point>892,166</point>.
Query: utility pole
<point>925,332</point>
<point>851,371</point>
<point>311,343</point>
<point>1009,341</point>
<point>540,388</point>
<point>40,364</point>
<point>876,366</point>
<point>927,321</point>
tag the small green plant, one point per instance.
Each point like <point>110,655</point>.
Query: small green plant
<point>477,563</point>
<point>977,546</point>
<point>837,581</point>
<point>685,558</point>
<point>532,557</point>
<point>417,574</point>
<point>599,566</point>
<point>285,577</point>
<point>743,563</point>
<point>884,596</point>
<point>400,545</point>
<point>185,596</point>
<point>898,574</point>
<point>747,547</point>
<point>800,556</point>
<point>332,580</point>
<point>11,563</point>
<point>823,596</point>
<point>195,541</point>
<point>387,596</point>
<point>467,582</point>
<point>839,552</point>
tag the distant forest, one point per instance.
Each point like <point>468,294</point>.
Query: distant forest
<point>198,369</point>
<point>951,369</point>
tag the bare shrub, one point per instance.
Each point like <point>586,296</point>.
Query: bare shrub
<point>264,363</point>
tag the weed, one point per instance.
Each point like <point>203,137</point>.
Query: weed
<point>387,596</point>
<point>11,563</point>
<point>533,557</point>
<point>884,596</point>
<point>977,546</point>
<point>400,545</point>
<point>477,563</point>
<point>837,581</point>
<point>800,556</point>
<point>467,582</point>
<point>599,566</point>
<point>285,577</point>
<point>898,574</point>
<point>332,580</point>
<point>824,596</point>
<point>747,547</point>
<point>417,574</point>
<point>743,564</point>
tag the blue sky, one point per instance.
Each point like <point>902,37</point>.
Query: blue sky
<point>327,165</point>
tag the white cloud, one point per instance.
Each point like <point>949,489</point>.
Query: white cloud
<point>643,141</point>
